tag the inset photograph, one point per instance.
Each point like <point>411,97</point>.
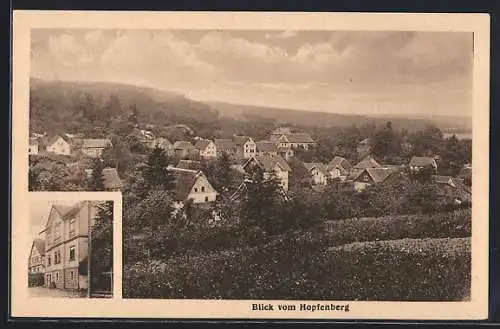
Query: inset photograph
<point>72,248</point>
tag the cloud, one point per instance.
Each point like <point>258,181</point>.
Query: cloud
<point>283,35</point>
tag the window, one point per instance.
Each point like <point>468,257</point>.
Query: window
<point>48,260</point>
<point>196,189</point>
<point>72,228</point>
<point>57,257</point>
<point>71,275</point>
<point>203,188</point>
<point>72,253</point>
<point>57,276</point>
<point>206,199</point>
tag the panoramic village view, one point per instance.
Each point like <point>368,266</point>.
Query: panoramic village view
<point>230,201</point>
<point>75,243</point>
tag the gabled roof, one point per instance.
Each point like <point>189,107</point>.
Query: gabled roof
<point>365,141</point>
<point>282,131</point>
<point>184,179</point>
<point>422,161</point>
<point>66,212</point>
<point>338,162</point>
<point>264,146</point>
<point>319,166</point>
<point>40,246</point>
<point>223,144</point>
<point>240,140</point>
<point>367,162</point>
<point>201,144</point>
<point>96,143</point>
<point>299,138</point>
<point>268,162</point>
<point>183,145</point>
<point>111,178</point>
<point>378,175</point>
<point>54,138</point>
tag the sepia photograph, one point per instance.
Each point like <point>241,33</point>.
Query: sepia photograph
<point>72,251</point>
<point>275,165</point>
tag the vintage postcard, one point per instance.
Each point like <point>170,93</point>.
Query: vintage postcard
<point>261,165</point>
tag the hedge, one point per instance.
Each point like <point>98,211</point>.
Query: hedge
<point>456,224</point>
<point>297,267</point>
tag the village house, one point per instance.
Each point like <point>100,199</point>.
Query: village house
<point>206,148</point>
<point>94,147</point>
<point>224,145</point>
<point>418,163</point>
<point>452,189</point>
<point>111,179</point>
<point>338,168</point>
<point>292,140</point>
<point>245,147</point>
<point>270,165</point>
<point>185,149</point>
<point>364,148</point>
<point>33,146</point>
<point>59,145</point>
<point>318,172</point>
<point>266,148</point>
<point>36,261</point>
<point>162,143</point>
<point>357,169</point>
<point>369,176</point>
<point>192,185</point>
<point>66,244</point>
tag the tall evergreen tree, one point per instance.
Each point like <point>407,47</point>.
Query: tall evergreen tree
<point>96,182</point>
<point>102,247</point>
<point>262,202</point>
<point>155,173</point>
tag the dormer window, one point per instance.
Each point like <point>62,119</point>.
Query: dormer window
<point>203,188</point>
<point>195,189</point>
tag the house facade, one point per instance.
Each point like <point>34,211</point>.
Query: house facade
<point>206,148</point>
<point>192,185</point>
<point>293,140</point>
<point>94,147</point>
<point>33,146</point>
<point>370,176</point>
<point>318,173</point>
<point>66,245</point>
<point>338,168</point>
<point>58,145</point>
<point>36,261</point>
<point>162,143</point>
<point>245,147</point>
<point>270,165</point>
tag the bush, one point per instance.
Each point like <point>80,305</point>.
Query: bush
<point>456,224</point>
<point>36,280</point>
<point>296,267</point>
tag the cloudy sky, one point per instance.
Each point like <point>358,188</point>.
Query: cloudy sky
<point>404,73</point>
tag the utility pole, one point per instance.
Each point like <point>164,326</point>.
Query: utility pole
<point>89,249</point>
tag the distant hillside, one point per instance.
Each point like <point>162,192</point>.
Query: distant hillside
<point>54,100</point>
<point>319,119</point>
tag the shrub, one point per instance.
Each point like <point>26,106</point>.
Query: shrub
<point>295,267</point>
<point>439,225</point>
